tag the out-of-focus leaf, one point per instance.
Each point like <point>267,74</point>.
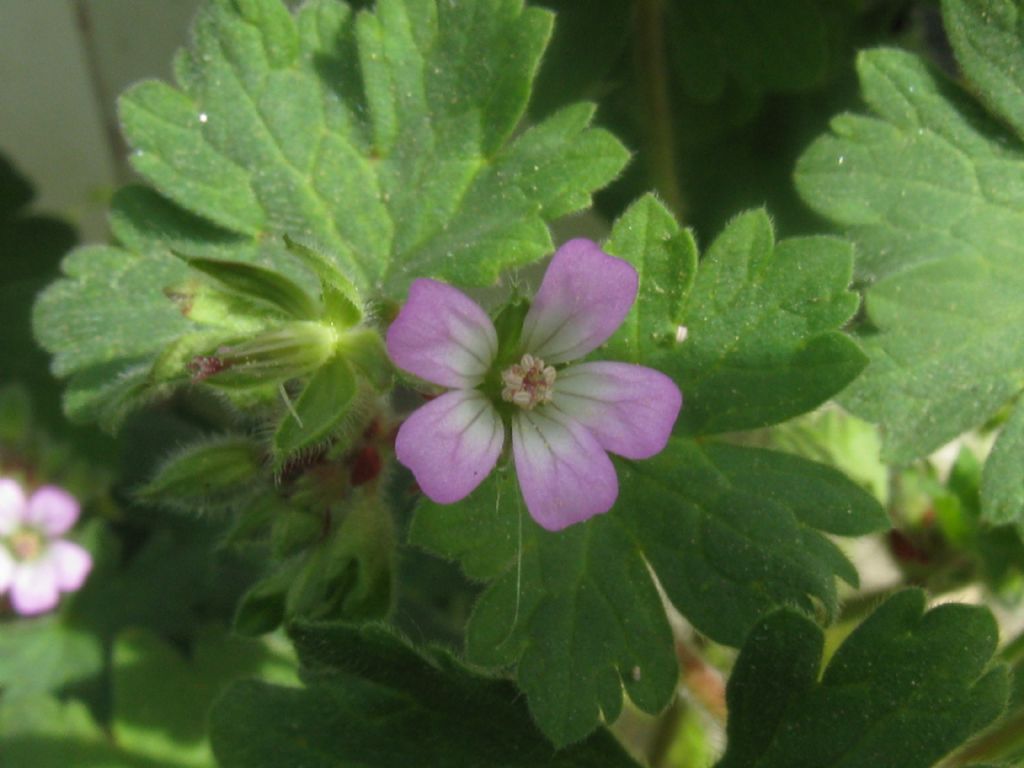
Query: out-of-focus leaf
<point>44,655</point>
<point>371,699</point>
<point>161,700</point>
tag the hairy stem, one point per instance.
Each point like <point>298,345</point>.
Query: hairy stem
<point>705,687</point>
<point>704,682</point>
<point>115,144</point>
<point>652,70</point>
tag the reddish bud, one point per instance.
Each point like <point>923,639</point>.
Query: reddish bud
<point>905,550</point>
<point>203,366</point>
<point>366,465</point>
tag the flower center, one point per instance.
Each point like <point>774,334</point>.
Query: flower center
<point>528,383</point>
<point>26,544</point>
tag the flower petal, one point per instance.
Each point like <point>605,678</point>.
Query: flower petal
<point>12,505</point>
<point>564,474</point>
<point>52,509</point>
<point>70,562</point>
<point>442,336</point>
<point>583,299</point>
<point>451,444</point>
<point>35,587</point>
<point>630,409</point>
<point>6,569</point>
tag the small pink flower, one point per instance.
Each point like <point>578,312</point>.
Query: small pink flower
<point>36,565</point>
<point>562,418</point>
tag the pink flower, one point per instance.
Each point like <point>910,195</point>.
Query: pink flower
<point>36,565</point>
<point>562,418</point>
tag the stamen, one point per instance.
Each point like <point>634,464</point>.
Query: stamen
<point>26,544</point>
<point>528,383</point>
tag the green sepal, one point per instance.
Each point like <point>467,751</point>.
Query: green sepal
<point>364,349</point>
<point>205,303</point>
<point>342,303</point>
<point>348,576</point>
<point>259,515</point>
<point>339,309</point>
<point>508,323</point>
<point>274,356</point>
<point>259,285</point>
<point>176,362</point>
<point>325,401</point>
<point>209,474</point>
<point>297,529</point>
<point>262,607</point>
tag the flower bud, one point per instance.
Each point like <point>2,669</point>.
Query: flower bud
<point>273,356</point>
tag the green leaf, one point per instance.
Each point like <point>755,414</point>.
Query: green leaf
<point>161,700</point>
<point>576,611</point>
<point>384,138</point>
<point>665,257</point>
<point>180,564</point>
<point>986,36</point>
<point>142,220</point>
<point>31,246</point>
<point>348,574</point>
<point>78,321</point>
<point>761,319</point>
<point>1002,482</point>
<point>262,608</point>
<point>45,654</point>
<point>931,190</point>
<point>96,336</point>
<point>406,170</point>
<point>324,403</point>
<point>730,532</point>
<point>763,342</point>
<point>42,732</point>
<point>733,532</point>
<point>902,691</point>
<point>371,699</point>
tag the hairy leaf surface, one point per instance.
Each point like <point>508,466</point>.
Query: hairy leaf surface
<point>385,137</point>
<point>903,690</point>
<point>730,532</point>
<point>932,188</point>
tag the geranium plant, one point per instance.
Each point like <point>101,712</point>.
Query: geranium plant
<point>414,427</point>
